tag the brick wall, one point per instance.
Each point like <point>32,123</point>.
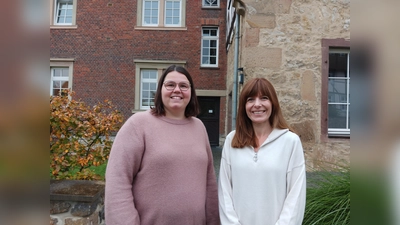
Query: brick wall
<point>106,43</point>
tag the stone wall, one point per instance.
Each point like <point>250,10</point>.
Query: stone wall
<point>281,41</point>
<point>75,202</point>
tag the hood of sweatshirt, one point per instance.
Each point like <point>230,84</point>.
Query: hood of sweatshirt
<point>275,134</point>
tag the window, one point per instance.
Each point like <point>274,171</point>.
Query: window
<point>338,92</point>
<point>60,75</point>
<point>210,3</point>
<point>335,94</point>
<point>148,87</point>
<point>209,47</point>
<point>161,14</point>
<point>173,13</point>
<point>150,13</point>
<point>59,80</point>
<point>64,13</point>
<point>147,73</point>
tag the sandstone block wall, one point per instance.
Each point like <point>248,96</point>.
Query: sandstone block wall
<point>281,41</point>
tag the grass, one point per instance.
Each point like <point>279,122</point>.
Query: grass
<point>100,170</point>
<point>328,198</point>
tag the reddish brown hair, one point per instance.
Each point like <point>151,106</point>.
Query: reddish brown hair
<point>245,135</point>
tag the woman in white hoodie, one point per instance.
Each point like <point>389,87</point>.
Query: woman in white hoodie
<point>262,179</point>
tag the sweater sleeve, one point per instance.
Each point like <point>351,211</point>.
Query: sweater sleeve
<point>293,209</point>
<point>123,165</point>
<point>227,211</point>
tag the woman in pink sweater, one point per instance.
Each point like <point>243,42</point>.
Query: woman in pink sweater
<point>160,169</point>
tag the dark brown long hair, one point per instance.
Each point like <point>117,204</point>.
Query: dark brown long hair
<point>192,109</point>
<point>245,135</point>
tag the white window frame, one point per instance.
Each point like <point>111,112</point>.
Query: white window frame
<point>209,38</point>
<point>345,131</point>
<point>141,65</point>
<point>180,14</point>
<point>54,10</point>
<point>61,63</point>
<point>158,13</point>
<point>161,17</point>
<point>147,80</point>
<point>212,5</point>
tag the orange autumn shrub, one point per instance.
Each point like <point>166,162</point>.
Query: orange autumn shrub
<point>80,136</point>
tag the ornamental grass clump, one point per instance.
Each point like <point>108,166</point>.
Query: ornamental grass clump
<point>328,197</point>
<point>80,136</point>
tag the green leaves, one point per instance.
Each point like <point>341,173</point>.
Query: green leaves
<point>328,198</point>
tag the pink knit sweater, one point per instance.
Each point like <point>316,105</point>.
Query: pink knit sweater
<point>160,171</point>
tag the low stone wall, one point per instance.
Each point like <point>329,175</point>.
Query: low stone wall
<point>76,202</point>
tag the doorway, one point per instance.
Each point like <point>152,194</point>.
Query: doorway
<point>209,115</point>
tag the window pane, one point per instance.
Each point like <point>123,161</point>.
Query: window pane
<point>56,92</point>
<point>148,88</point>
<point>337,116</point>
<point>213,52</point>
<point>64,12</point>
<point>56,84</point>
<point>338,64</point>
<point>65,72</point>
<point>210,2</point>
<point>213,60</point>
<point>209,46</point>
<point>150,12</point>
<point>213,43</point>
<point>64,84</point>
<point>337,91</point>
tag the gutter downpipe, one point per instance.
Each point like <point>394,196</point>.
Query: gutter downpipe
<point>235,71</point>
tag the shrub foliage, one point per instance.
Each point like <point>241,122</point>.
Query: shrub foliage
<point>328,198</point>
<point>80,136</point>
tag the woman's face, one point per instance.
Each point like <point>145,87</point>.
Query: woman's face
<point>259,109</point>
<point>175,100</point>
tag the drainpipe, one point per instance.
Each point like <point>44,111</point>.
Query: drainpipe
<point>235,71</point>
<point>240,9</point>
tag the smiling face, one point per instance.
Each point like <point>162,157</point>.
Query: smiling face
<point>259,109</point>
<point>176,100</point>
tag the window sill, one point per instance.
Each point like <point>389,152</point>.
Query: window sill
<point>138,110</point>
<point>210,67</point>
<point>63,26</point>
<point>211,7</point>
<point>160,28</point>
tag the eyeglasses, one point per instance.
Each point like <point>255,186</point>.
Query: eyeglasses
<point>170,86</point>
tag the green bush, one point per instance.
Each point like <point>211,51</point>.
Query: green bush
<point>80,137</point>
<point>328,197</point>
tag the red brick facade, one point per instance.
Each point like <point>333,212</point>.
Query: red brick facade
<point>106,42</point>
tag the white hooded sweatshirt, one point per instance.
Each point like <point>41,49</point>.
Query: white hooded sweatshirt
<point>267,188</point>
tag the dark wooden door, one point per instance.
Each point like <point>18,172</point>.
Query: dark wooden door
<point>209,114</point>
